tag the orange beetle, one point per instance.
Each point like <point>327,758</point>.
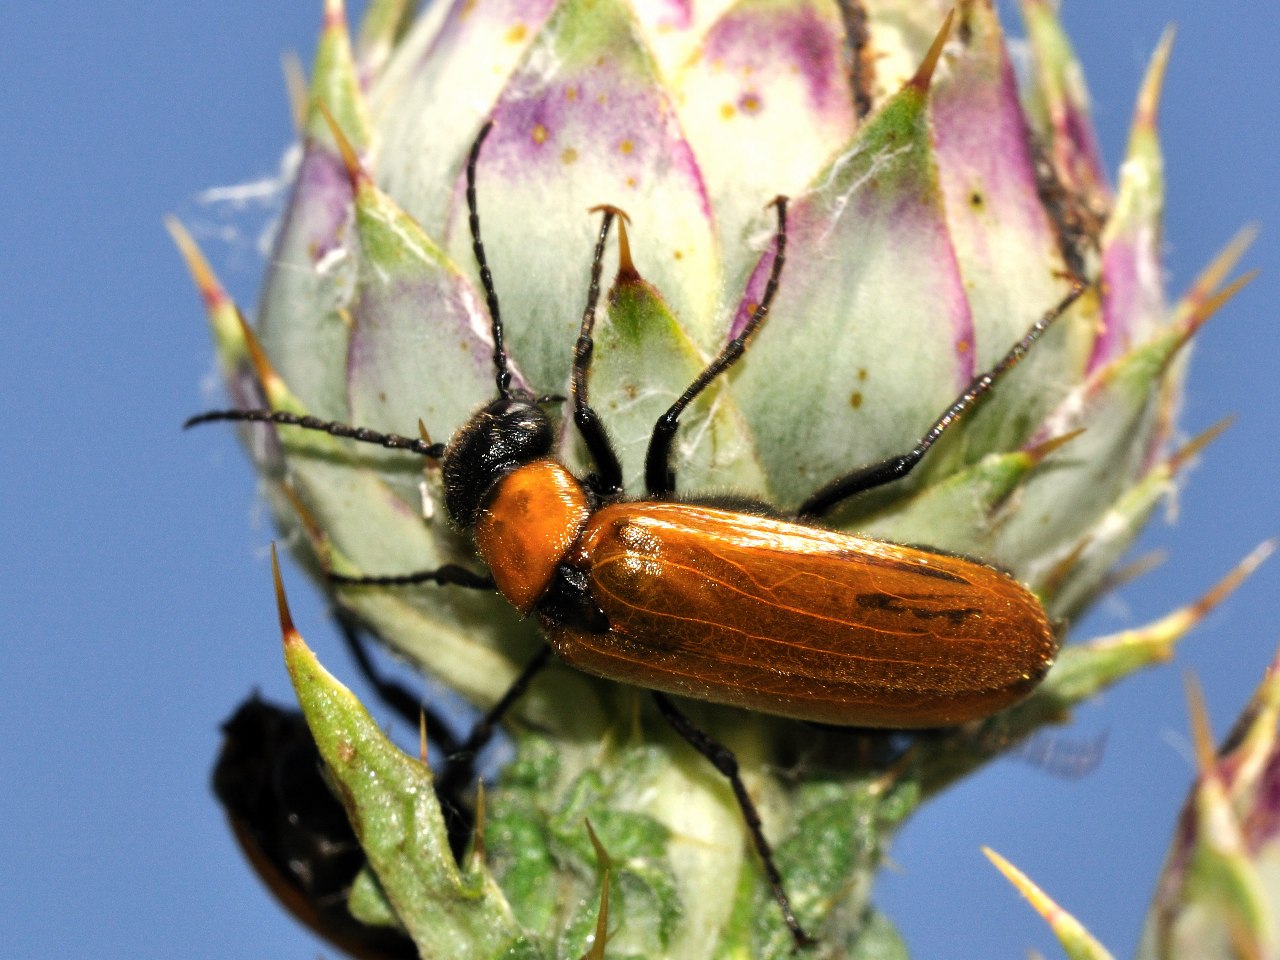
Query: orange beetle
<point>766,614</point>
<point>801,622</point>
<point>731,607</point>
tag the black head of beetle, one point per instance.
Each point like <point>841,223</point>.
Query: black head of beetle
<point>499,438</point>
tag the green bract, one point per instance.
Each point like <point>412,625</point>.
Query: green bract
<point>935,214</point>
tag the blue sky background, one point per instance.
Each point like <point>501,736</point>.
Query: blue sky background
<point>135,588</point>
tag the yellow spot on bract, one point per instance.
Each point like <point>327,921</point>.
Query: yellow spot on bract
<point>568,155</point>
<point>855,399</point>
<point>539,133</point>
<point>678,254</point>
<point>468,7</point>
<point>601,99</point>
<point>631,181</point>
<point>727,111</point>
<point>517,32</point>
<point>750,103</point>
<point>862,374</point>
<point>962,347</point>
<point>626,146</point>
<point>571,94</point>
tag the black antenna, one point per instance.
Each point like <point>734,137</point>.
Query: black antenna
<point>853,17</point>
<point>392,441</point>
<point>486,278</point>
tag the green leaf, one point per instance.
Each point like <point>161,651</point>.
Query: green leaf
<point>391,801</point>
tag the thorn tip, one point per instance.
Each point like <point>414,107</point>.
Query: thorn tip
<point>211,291</point>
<point>288,632</point>
<point>295,87</point>
<point>350,160</point>
<point>1148,106</point>
<point>1201,731</point>
<point>268,379</point>
<point>924,75</point>
<point>626,266</point>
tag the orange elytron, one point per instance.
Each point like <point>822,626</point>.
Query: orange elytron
<point>801,622</point>
<point>732,607</point>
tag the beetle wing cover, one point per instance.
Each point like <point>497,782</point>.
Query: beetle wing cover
<point>803,622</point>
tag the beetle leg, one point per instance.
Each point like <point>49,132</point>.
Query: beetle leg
<point>897,467</point>
<point>450,575</point>
<point>722,758</point>
<point>395,695</point>
<point>460,756</point>
<point>461,768</point>
<point>607,478</point>
<point>659,477</point>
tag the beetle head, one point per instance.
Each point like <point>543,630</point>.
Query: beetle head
<point>500,437</point>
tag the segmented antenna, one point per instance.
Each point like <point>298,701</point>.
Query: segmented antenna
<point>392,441</point>
<point>502,371</point>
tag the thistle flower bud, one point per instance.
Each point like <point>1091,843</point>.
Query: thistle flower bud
<point>938,208</point>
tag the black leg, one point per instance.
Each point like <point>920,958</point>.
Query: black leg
<point>659,477</point>
<point>460,755</point>
<point>450,575</point>
<point>409,706</point>
<point>897,467</point>
<point>723,760</point>
<point>460,768</point>
<point>606,481</point>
